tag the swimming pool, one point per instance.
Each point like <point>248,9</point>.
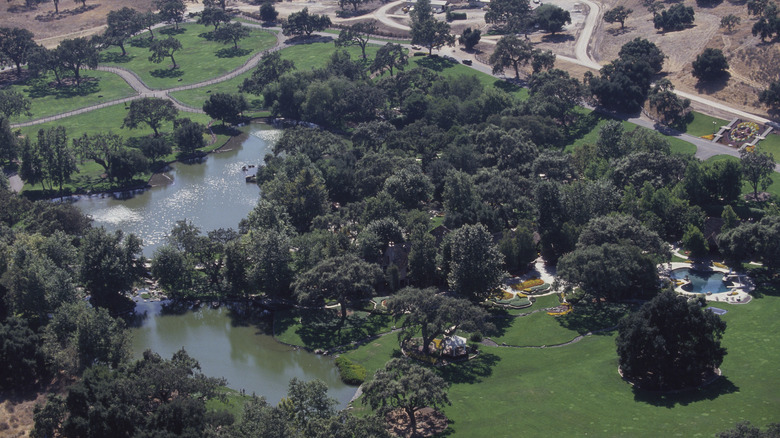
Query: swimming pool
<point>702,281</point>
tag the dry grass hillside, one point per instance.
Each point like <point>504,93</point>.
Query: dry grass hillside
<point>72,21</point>
<point>753,64</point>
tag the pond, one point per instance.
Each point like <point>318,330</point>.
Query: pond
<point>702,281</point>
<point>230,345</point>
<point>212,193</point>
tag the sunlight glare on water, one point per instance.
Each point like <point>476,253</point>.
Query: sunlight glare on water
<point>211,193</point>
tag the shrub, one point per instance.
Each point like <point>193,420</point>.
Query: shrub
<point>350,372</point>
<point>452,16</point>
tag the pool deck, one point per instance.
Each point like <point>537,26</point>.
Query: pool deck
<point>742,295</point>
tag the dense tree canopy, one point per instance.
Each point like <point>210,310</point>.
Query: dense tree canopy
<point>122,24</point>
<point>511,52</point>
<point>152,111</point>
<point>676,17</point>
<point>670,343</point>
<point>618,14</point>
<point>405,385</point>
<point>474,262</point>
<point>432,314</point>
<point>710,64</point>
<point>16,44</point>
<point>551,18</point>
<point>303,23</point>
<point>513,15</point>
<point>345,279</point>
<point>426,30</point>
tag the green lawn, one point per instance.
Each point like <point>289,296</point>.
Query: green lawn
<point>533,330</point>
<point>703,124</point>
<point>107,119</point>
<point>373,38</point>
<point>197,96</point>
<point>771,144</point>
<point>576,391</point>
<point>774,188</point>
<point>47,98</point>
<point>316,55</point>
<point>677,145</point>
<point>448,68</point>
<point>198,60</point>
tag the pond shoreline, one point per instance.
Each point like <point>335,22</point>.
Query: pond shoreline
<point>158,177</point>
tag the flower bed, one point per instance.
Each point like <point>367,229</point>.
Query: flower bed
<point>528,284</point>
<point>539,289</point>
<point>743,131</point>
<point>563,309</point>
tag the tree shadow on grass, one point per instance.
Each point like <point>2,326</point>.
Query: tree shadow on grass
<point>44,88</point>
<point>167,73</point>
<point>142,42</point>
<point>617,31</point>
<point>303,39</point>
<point>173,31</point>
<point>589,317</point>
<point>232,52</point>
<point>323,328</point>
<point>557,38</point>
<point>470,371</point>
<point>767,282</point>
<point>116,58</point>
<point>207,35</point>
<point>501,320</point>
<point>506,86</point>
<point>436,63</point>
<point>719,387</point>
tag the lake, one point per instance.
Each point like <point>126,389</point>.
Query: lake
<point>211,193</point>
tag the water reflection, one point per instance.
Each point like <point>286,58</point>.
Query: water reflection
<point>211,192</point>
<point>249,360</point>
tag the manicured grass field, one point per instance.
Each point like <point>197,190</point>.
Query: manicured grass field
<point>305,57</point>
<point>575,390</point>
<point>107,119</point>
<point>198,60</point>
<point>532,330</point>
<point>316,55</point>
<point>197,96</point>
<point>771,144</point>
<point>774,188</point>
<point>703,124</point>
<point>47,98</point>
<point>373,38</point>
<point>677,145</point>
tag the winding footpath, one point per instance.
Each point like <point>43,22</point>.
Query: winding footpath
<point>142,90</point>
<point>704,148</point>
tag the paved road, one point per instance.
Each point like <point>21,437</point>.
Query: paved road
<point>381,16</point>
<point>704,148</point>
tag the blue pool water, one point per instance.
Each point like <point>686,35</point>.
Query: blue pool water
<point>702,281</point>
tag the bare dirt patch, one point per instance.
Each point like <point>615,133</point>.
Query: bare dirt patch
<point>753,65</point>
<point>72,21</point>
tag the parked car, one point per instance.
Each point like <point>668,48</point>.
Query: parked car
<point>467,61</point>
